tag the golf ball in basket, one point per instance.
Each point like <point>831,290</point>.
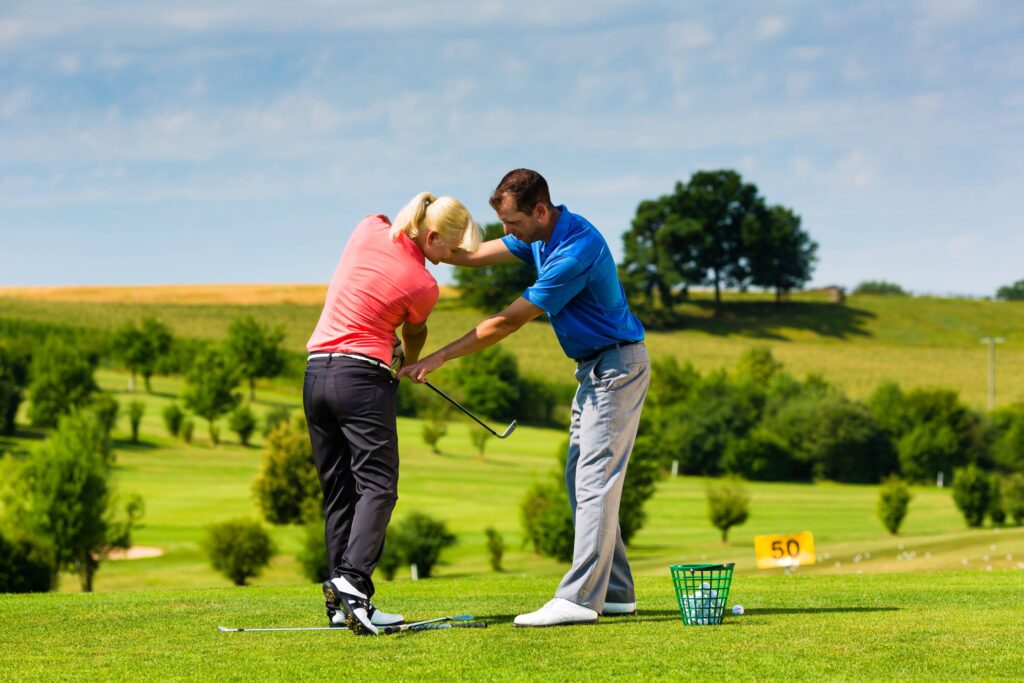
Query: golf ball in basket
<point>737,610</point>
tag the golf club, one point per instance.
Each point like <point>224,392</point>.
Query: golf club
<point>401,627</point>
<point>504,435</point>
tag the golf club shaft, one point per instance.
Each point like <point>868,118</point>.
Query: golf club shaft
<point>457,405</point>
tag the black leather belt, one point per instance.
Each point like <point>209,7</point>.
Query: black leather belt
<point>595,354</point>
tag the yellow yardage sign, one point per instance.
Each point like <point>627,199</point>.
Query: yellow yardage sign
<point>784,550</point>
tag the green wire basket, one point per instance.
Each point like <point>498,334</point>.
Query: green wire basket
<point>702,591</point>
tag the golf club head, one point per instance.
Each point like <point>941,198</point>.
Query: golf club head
<point>508,430</point>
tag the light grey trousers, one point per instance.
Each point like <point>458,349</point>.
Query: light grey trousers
<point>605,416</point>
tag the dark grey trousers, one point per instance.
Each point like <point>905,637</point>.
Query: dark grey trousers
<point>350,409</point>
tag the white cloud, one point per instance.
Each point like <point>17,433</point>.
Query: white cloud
<point>69,64</point>
<point>770,27</point>
<point>853,70</point>
<point>13,103</point>
<point>689,34</point>
<point>10,31</point>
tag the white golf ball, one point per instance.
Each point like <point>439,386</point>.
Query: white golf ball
<point>737,610</point>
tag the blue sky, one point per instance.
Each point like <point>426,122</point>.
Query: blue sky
<point>156,142</point>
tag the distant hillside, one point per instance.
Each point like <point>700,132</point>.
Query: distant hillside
<point>867,340</point>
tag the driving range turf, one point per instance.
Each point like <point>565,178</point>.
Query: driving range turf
<point>939,601</point>
<point>920,626</point>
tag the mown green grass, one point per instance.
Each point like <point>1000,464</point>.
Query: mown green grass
<point>946,626</point>
<point>917,342</point>
<point>187,487</point>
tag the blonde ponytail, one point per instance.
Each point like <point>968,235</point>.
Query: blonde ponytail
<point>444,215</point>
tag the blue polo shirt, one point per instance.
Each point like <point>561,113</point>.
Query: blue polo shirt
<point>578,287</point>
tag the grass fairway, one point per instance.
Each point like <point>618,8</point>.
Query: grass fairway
<point>945,626</point>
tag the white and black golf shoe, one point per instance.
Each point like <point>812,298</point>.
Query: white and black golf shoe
<point>353,604</point>
<point>336,617</point>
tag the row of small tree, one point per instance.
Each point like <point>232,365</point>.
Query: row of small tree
<point>759,422</point>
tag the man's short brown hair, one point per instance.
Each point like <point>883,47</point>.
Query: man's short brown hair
<point>527,188</point>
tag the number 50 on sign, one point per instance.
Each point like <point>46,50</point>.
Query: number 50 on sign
<point>784,550</point>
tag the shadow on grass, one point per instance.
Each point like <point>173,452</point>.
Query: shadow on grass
<point>762,320</point>
<point>819,610</point>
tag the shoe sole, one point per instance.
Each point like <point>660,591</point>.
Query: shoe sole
<point>564,623</point>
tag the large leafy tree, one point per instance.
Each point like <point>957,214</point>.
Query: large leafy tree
<point>1014,292</point>
<point>64,495</point>
<point>660,250</point>
<point>720,202</point>
<point>779,254</point>
<point>256,350</point>
<point>494,287</point>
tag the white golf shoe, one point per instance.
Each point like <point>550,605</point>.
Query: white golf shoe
<point>619,609</point>
<point>557,612</point>
<point>377,617</point>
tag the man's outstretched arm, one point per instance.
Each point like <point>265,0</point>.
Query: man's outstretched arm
<point>489,332</point>
<point>488,253</point>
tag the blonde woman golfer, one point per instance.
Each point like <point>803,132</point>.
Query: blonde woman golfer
<point>381,283</point>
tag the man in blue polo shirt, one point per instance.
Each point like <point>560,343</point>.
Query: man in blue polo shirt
<point>578,287</point>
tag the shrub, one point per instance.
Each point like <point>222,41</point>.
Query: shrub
<point>728,505</point>
<point>173,417</point>
<point>136,409</point>
<point>312,555</point>
<point>972,493</point>
<point>479,438</point>
<point>188,425</point>
<point>243,423</point>
<point>1013,497</point>
<point>538,400</point>
<point>26,567</point>
<point>495,547</point>
<point>62,379</point>
<point>490,383</point>
<point>996,511</point>
<point>390,556</point>
<point>287,480</point>
<point>1008,449</point>
<point>433,430</point>
<point>420,539</point>
<point>547,520</point>
<point>214,433</point>
<point>933,431</point>
<point>106,408</point>
<point>239,549</point>
<point>716,412</point>
<point>893,501</point>
<point>1014,292</point>
<point>880,287</point>
<point>642,476</point>
<point>761,456</point>
<point>833,438</point>
<point>274,417</point>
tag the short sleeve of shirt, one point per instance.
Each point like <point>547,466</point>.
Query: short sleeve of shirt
<point>519,248</point>
<point>422,304</point>
<point>561,278</point>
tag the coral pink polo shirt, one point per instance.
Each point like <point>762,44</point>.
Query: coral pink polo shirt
<point>377,286</point>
